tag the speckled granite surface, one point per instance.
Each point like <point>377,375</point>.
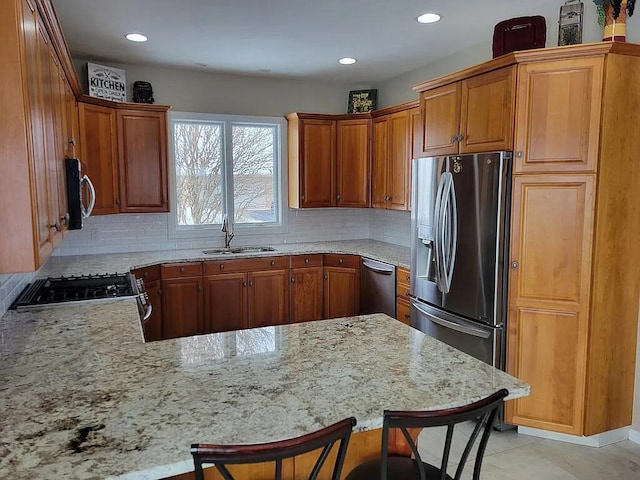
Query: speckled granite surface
<point>121,262</point>
<point>82,396</point>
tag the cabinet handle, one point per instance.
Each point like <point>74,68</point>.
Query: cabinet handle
<point>515,265</point>
<point>222,266</point>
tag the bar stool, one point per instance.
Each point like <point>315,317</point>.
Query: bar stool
<point>222,455</point>
<point>393,467</point>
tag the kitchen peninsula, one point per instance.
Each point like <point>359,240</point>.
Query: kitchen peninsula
<point>84,397</point>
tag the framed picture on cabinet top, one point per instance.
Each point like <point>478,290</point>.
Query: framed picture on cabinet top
<point>362,101</point>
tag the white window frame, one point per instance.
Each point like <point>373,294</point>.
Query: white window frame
<point>280,226</point>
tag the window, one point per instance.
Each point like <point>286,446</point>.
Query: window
<point>229,165</point>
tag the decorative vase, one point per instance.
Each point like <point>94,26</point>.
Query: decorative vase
<point>615,30</point>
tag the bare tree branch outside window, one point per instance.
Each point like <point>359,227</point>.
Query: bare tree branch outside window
<point>199,160</point>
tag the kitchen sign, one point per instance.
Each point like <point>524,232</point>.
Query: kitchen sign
<point>107,82</point>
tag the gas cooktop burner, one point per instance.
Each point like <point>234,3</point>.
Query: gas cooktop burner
<point>74,289</point>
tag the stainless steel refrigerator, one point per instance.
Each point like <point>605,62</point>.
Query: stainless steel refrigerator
<point>459,223</point>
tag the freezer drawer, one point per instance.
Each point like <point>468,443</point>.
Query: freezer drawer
<point>480,341</point>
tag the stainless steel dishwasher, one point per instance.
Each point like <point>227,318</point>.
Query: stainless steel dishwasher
<point>377,287</point>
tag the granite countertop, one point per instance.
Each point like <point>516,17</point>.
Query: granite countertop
<point>83,396</point>
<point>121,262</point>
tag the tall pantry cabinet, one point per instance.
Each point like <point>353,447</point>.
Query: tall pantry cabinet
<point>574,261</point>
<point>35,115</point>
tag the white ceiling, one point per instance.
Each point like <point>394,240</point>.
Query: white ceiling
<point>291,38</point>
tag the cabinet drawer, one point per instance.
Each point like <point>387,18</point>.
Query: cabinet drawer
<point>302,261</point>
<point>402,291</point>
<point>147,274</point>
<point>348,261</point>
<point>246,265</point>
<point>403,275</point>
<point>403,311</point>
<point>178,270</point>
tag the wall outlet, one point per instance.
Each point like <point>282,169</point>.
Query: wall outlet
<point>94,233</point>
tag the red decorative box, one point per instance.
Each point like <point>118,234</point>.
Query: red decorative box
<point>522,33</point>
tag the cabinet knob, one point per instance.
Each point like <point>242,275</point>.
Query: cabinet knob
<point>306,260</point>
<point>56,226</point>
<point>460,138</point>
<point>244,284</point>
<point>519,154</point>
<point>340,260</point>
<point>222,266</point>
<point>407,277</point>
<point>407,316</point>
<point>273,263</point>
<point>515,265</point>
<point>293,279</point>
<point>302,197</point>
<point>338,197</point>
<point>326,277</point>
<point>146,274</point>
<point>199,287</point>
<point>117,201</point>
<point>251,283</point>
<point>181,269</point>
<point>453,138</point>
<point>65,218</point>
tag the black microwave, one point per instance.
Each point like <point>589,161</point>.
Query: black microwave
<point>76,182</point>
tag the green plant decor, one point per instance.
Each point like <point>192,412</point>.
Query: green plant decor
<point>617,7</point>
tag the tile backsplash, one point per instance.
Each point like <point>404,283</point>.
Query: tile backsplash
<point>10,287</point>
<point>135,233</point>
<point>131,233</point>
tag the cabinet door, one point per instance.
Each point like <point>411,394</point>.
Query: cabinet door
<point>318,163</point>
<point>268,298</point>
<point>416,146</point>
<point>341,292</point>
<point>399,160</point>
<point>48,87</point>
<point>403,311</point>
<point>225,302</point>
<point>153,326</point>
<point>60,134</point>
<point>306,294</point>
<point>33,41</point>
<point>558,116</point>
<point>488,111</point>
<point>142,145</point>
<point>441,120</point>
<point>380,162</point>
<point>99,147</point>
<point>352,163</point>
<point>181,307</point>
<point>549,292</point>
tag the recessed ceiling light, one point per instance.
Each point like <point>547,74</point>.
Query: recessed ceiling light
<point>428,18</point>
<point>136,37</point>
<point>347,61</point>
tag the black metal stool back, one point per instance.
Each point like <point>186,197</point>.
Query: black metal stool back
<point>222,455</point>
<point>393,467</point>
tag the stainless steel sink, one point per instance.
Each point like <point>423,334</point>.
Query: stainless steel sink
<point>232,250</point>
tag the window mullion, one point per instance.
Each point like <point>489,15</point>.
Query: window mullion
<point>228,170</point>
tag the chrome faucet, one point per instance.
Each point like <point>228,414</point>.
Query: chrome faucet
<point>227,228</point>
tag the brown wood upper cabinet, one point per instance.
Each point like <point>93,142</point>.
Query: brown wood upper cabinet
<point>328,160</point>
<point>391,164</point>
<point>143,161</point>
<point>99,155</point>
<point>124,151</point>
<point>557,116</point>
<point>470,116</point>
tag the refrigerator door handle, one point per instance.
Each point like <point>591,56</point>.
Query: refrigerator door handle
<point>437,246</point>
<point>476,332</point>
<point>452,241</point>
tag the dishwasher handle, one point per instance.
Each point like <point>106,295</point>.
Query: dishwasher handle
<point>376,269</point>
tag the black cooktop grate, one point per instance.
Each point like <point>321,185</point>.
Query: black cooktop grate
<point>75,289</point>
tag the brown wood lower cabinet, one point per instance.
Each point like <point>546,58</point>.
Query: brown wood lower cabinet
<point>182,310</point>
<point>341,286</point>
<point>403,311</point>
<point>268,298</point>
<point>153,326</point>
<point>403,304</point>
<point>225,302</point>
<point>306,294</point>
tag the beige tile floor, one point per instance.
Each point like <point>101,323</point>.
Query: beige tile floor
<point>512,456</point>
